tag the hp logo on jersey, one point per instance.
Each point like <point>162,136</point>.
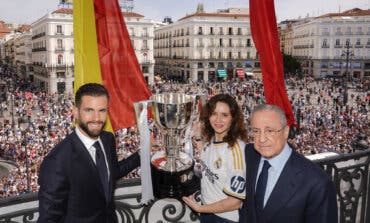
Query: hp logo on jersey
<point>237,184</point>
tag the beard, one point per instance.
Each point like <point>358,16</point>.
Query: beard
<point>92,133</point>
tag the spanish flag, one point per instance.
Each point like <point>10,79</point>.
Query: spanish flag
<point>265,37</point>
<point>104,54</point>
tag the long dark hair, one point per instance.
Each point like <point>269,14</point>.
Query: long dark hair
<point>237,128</point>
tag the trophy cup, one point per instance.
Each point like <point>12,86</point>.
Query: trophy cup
<point>172,169</point>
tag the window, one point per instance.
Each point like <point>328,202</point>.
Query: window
<point>324,64</point>
<point>349,30</point>
<point>240,31</point>
<point>145,57</point>
<point>248,42</point>
<point>230,43</point>
<point>200,32</point>
<point>212,42</point>
<point>211,30</point>
<point>347,42</point>
<point>59,43</point>
<point>145,69</point>
<point>356,65</point>
<point>201,42</point>
<point>337,42</point>
<point>230,31</point>
<point>59,29</point>
<point>60,59</point>
<point>358,42</point>
<point>221,31</point>
<point>325,31</point>
<point>145,44</point>
<point>325,42</point>
<point>61,75</point>
<point>221,44</point>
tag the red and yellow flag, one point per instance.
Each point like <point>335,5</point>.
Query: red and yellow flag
<point>104,54</point>
<point>265,37</point>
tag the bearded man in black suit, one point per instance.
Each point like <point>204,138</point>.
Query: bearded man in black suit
<point>77,178</point>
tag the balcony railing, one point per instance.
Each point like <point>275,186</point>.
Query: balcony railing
<point>349,172</point>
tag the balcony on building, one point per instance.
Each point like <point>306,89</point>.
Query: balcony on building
<point>59,49</point>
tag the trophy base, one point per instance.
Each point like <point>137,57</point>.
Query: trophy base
<point>174,184</point>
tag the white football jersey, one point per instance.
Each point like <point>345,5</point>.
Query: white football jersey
<point>223,174</point>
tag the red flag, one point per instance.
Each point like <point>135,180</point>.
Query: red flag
<point>265,37</point>
<point>120,70</point>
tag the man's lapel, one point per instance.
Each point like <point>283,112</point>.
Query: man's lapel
<point>107,145</point>
<point>84,157</point>
<point>287,185</point>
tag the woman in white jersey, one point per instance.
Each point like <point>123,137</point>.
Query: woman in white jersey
<point>222,161</point>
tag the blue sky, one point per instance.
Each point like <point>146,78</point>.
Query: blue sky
<point>28,11</point>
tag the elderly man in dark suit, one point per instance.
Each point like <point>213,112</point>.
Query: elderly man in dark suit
<point>282,185</point>
<point>77,178</point>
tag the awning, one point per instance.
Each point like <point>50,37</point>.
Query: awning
<point>221,73</point>
<point>248,63</point>
<point>240,73</point>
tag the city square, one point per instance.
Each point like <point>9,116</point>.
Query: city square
<point>203,53</point>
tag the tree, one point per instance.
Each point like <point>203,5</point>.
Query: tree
<point>291,64</point>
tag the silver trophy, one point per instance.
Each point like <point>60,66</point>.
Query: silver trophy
<point>173,169</point>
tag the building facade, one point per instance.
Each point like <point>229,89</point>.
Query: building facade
<point>141,33</point>
<point>206,47</point>
<point>23,52</point>
<point>333,44</point>
<point>53,52</point>
<point>44,54</point>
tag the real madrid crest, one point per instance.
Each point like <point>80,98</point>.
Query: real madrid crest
<point>218,163</point>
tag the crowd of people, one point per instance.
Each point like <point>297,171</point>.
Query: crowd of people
<point>33,122</point>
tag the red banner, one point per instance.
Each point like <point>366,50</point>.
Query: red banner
<point>265,37</point>
<point>120,70</point>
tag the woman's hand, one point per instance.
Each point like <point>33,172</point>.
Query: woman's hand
<point>192,203</point>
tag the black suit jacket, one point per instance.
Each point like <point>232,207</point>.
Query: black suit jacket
<point>304,193</point>
<point>70,187</point>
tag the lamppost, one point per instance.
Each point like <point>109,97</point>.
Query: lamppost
<point>346,53</point>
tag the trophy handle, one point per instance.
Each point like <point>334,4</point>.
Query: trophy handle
<point>138,107</point>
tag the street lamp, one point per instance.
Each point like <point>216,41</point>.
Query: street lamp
<point>347,53</point>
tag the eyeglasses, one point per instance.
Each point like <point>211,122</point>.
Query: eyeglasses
<point>267,132</point>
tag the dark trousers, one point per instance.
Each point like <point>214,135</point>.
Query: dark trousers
<point>212,218</point>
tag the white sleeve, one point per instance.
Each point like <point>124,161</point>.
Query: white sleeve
<point>235,180</point>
